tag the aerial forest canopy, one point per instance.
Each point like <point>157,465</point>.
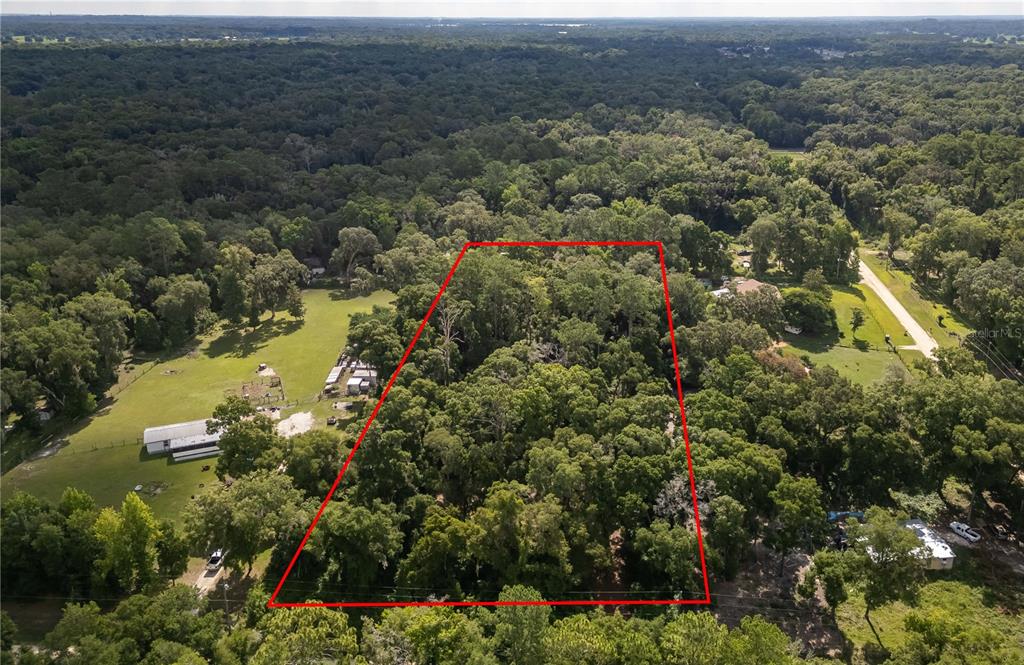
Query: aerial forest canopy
<point>163,179</point>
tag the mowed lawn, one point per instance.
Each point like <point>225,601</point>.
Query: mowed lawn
<point>797,156</point>
<point>188,388</point>
<point>925,310</point>
<point>863,357</point>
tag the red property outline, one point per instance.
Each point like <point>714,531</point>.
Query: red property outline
<point>272,603</point>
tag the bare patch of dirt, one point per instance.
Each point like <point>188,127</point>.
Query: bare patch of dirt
<point>297,423</point>
<point>760,589</point>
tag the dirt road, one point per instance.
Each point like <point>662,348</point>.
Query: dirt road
<point>206,581</point>
<point>923,342</point>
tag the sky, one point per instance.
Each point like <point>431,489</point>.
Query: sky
<point>523,8</point>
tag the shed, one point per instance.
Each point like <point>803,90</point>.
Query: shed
<point>369,375</point>
<point>353,385</point>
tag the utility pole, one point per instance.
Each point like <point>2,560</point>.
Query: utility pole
<point>227,614</point>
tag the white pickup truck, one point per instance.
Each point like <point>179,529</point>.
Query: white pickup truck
<point>965,532</point>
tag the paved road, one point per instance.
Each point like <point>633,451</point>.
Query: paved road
<point>923,342</point>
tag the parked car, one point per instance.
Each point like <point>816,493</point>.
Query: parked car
<point>216,560</point>
<point>965,532</point>
<point>999,531</point>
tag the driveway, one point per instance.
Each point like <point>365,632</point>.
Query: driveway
<point>923,342</point>
<point>206,581</point>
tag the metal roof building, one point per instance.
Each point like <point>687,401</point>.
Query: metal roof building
<point>183,441</point>
<point>333,377</point>
<point>934,551</point>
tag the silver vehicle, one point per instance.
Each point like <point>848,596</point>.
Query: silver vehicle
<point>965,532</point>
<point>216,560</point>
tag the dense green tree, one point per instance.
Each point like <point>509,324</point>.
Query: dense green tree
<point>355,245</point>
<point>129,539</point>
<point>809,311</point>
<point>305,636</point>
<point>689,299</point>
<point>889,566</point>
<point>59,355</point>
<point>427,634</point>
<point>183,307</point>
<point>374,339</point>
<point>313,460</point>
<point>764,236</point>
<point>578,340</point>
<point>832,571</point>
<point>357,543</point>
<point>670,552</point>
<point>520,630</point>
<point>799,514</point>
<point>521,541</point>
<point>248,445</point>
<point>232,273</point>
<point>171,551</point>
<point>272,285</point>
<point>727,531</point>
<point>440,555</point>
<point>9,631</point>
<point>245,518</point>
<point>105,316</point>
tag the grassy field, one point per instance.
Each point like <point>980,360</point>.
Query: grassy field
<point>796,155</point>
<point>863,357</point>
<point>970,604</point>
<point>104,456</point>
<point>925,311</point>
<point>980,591</point>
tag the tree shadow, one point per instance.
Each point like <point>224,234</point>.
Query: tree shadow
<point>338,294</point>
<point>242,343</point>
<point>990,574</point>
<point>850,291</point>
<point>812,343</point>
<point>875,654</point>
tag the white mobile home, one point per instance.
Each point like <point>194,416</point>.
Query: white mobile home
<point>333,377</point>
<point>935,553</point>
<point>183,441</point>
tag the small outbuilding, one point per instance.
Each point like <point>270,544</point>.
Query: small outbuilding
<point>368,375</point>
<point>354,386</point>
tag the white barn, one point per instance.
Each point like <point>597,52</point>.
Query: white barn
<point>184,441</point>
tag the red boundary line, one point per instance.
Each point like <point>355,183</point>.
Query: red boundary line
<point>362,434</point>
